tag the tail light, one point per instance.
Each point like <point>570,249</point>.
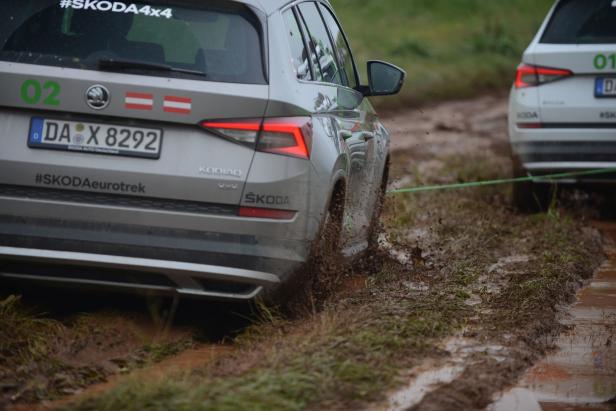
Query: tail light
<point>240,131</point>
<point>272,214</point>
<point>530,125</point>
<point>532,76</point>
<point>289,136</point>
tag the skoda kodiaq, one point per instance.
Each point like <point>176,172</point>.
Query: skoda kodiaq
<point>197,148</point>
<point>562,115</point>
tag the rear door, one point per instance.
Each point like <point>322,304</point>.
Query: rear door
<point>364,126</point>
<point>580,36</point>
<point>343,108</point>
<point>110,99</point>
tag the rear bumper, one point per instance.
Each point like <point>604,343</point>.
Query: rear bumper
<point>545,151</point>
<point>183,277</point>
<point>188,252</point>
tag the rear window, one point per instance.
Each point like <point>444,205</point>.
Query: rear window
<point>222,39</point>
<point>582,22</point>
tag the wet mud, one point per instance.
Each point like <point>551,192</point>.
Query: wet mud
<point>580,374</point>
<point>180,364</point>
<point>110,337</point>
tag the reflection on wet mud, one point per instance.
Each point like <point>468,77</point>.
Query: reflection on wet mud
<point>581,373</point>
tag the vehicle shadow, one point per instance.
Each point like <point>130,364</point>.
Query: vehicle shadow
<point>596,203</point>
<point>206,321</point>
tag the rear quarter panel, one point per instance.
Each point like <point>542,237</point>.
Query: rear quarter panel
<point>290,97</point>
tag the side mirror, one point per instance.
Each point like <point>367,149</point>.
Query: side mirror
<point>384,79</point>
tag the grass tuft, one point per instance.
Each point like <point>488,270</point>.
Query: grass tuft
<point>24,335</point>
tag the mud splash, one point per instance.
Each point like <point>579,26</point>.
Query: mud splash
<point>581,373</point>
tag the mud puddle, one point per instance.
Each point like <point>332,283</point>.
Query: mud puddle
<point>581,373</point>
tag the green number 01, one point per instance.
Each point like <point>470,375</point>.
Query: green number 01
<point>32,92</point>
<point>601,61</point>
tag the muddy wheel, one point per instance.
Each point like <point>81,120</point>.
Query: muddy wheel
<point>328,245</point>
<point>375,222</point>
<point>529,197</point>
<point>307,288</point>
<point>327,267</point>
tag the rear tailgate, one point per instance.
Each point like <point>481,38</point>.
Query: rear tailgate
<point>574,99</point>
<point>580,37</point>
<point>192,165</point>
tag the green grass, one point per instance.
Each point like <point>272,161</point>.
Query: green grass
<point>450,48</point>
<point>25,336</point>
<point>43,358</point>
<point>345,358</point>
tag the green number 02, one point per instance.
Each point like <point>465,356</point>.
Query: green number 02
<point>32,92</point>
<point>54,92</point>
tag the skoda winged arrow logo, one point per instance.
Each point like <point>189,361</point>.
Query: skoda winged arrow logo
<point>97,97</point>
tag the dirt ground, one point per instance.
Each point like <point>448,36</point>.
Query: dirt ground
<point>462,297</point>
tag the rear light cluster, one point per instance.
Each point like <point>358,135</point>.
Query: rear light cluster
<point>289,136</point>
<point>268,213</point>
<point>532,76</point>
<point>530,125</point>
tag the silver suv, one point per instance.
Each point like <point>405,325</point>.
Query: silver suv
<point>562,107</point>
<point>183,147</point>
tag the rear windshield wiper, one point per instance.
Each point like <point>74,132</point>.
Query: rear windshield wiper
<point>115,64</point>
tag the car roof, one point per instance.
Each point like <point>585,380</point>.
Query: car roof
<point>269,6</point>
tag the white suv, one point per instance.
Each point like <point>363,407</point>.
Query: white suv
<point>562,113</point>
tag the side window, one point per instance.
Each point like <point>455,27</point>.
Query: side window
<point>321,44</point>
<point>345,58</point>
<point>299,54</point>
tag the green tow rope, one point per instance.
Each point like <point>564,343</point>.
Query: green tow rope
<point>543,178</point>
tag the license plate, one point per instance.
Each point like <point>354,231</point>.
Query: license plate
<point>95,138</point>
<point>605,87</point>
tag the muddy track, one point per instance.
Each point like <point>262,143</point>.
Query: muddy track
<point>185,362</point>
<point>424,249</point>
<point>441,143</point>
<point>100,339</point>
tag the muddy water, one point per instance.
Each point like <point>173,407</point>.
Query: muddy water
<point>581,373</point>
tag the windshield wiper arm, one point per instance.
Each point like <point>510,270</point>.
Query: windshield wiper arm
<point>119,64</point>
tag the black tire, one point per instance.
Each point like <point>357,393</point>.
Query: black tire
<point>327,267</point>
<point>306,289</point>
<point>529,197</point>
<point>328,244</point>
<point>375,223</point>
